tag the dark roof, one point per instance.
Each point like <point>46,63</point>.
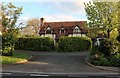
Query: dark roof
<point>68,26</point>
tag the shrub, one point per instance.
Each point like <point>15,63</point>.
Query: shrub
<point>32,36</point>
<point>86,42</point>
<point>72,44</point>
<point>107,54</point>
<point>115,60</point>
<point>118,38</point>
<point>0,43</point>
<point>35,44</point>
<point>108,47</point>
<point>101,61</point>
<point>8,42</point>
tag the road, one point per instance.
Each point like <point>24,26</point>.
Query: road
<point>48,64</point>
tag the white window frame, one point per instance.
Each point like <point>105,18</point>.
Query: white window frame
<point>48,29</point>
<point>76,29</point>
<point>62,29</point>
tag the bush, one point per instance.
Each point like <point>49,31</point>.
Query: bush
<point>107,61</point>
<point>0,43</point>
<point>8,42</point>
<point>73,44</point>
<point>118,38</point>
<point>101,61</point>
<point>107,54</point>
<point>35,44</point>
<point>108,47</point>
<point>115,60</point>
<point>32,36</point>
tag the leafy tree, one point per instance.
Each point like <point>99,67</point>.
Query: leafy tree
<point>9,15</point>
<point>34,22</point>
<point>0,21</point>
<point>95,32</point>
<point>118,38</point>
<point>103,15</point>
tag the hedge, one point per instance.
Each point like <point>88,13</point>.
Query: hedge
<point>35,44</point>
<point>74,44</point>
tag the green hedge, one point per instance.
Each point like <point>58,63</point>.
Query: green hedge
<point>35,44</point>
<point>73,44</point>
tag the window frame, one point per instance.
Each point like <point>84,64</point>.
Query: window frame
<point>48,31</point>
<point>62,30</point>
<point>76,30</point>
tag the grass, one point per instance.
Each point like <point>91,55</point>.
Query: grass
<point>17,57</point>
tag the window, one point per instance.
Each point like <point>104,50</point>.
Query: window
<point>76,30</point>
<point>48,30</point>
<point>62,30</point>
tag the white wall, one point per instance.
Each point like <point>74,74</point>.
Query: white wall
<point>75,35</point>
<point>49,35</point>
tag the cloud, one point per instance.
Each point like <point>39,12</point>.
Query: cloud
<point>67,7</point>
<point>22,20</point>
<point>63,11</point>
<point>61,17</point>
<point>44,0</point>
<point>25,18</point>
<point>75,7</point>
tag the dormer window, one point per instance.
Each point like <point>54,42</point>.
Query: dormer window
<point>48,30</point>
<point>76,29</point>
<point>62,30</point>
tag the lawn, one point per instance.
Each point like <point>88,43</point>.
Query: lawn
<point>17,57</point>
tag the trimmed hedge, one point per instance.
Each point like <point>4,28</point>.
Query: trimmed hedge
<point>73,44</point>
<point>35,44</point>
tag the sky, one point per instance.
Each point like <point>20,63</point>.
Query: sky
<point>52,10</point>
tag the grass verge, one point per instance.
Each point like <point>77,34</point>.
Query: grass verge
<point>17,57</point>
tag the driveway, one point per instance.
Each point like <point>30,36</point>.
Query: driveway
<point>57,63</point>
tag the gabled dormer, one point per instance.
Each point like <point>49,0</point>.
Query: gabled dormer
<point>48,30</point>
<point>76,29</point>
<point>62,30</point>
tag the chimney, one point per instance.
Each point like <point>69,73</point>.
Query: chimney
<point>42,20</point>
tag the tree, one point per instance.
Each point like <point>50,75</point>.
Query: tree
<point>95,32</point>
<point>0,21</point>
<point>103,15</point>
<point>9,15</point>
<point>34,22</point>
<point>118,38</point>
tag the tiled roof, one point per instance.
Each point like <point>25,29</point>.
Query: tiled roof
<point>58,25</point>
<point>68,26</point>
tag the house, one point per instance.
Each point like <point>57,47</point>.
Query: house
<point>56,30</point>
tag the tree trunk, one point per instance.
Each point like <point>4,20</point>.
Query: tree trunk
<point>108,33</point>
